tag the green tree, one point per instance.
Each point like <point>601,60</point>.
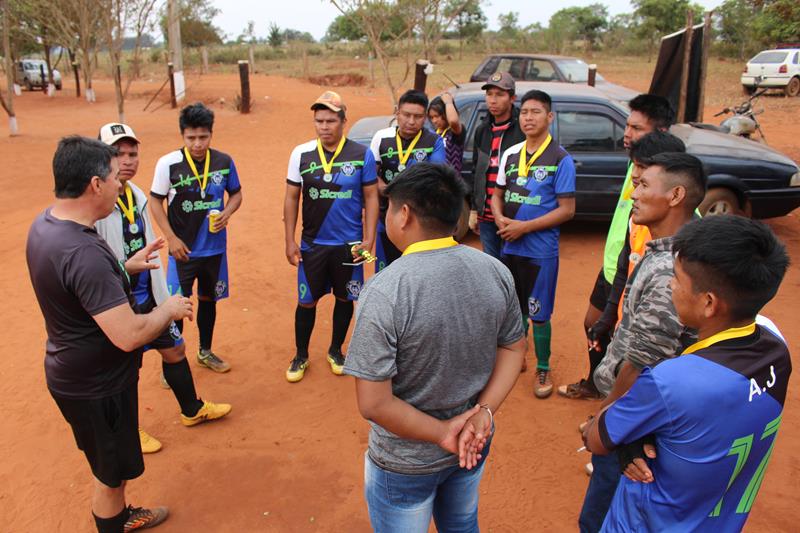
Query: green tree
<point>509,25</point>
<point>735,25</point>
<point>779,21</point>
<point>653,19</point>
<point>579,23</point>
<point>469,22</point>
<point>297,35</point>
<point>275,36</point>
<point>197,23</point>
<point>344,28</point>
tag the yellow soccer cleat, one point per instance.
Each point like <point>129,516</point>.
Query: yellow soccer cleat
<point>336,360</point>
<point>296,370</point>
<point>209,411</point>
<point>149,443</point>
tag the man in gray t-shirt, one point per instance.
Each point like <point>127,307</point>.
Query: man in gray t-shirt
<point>429,370</point>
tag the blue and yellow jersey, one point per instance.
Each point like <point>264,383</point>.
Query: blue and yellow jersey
<point>331,200</point>
<point>189,202</point>
<point>530,196</point>
<point>715,412</point>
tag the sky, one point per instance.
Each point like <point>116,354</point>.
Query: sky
<point>314,16</point>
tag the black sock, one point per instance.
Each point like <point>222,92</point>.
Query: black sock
<point>179,323</point>
<point>595,357</point>
<point>115,524</point>
<point>206,316</point>
<point>179,378</point>
<point>304,318</point>
<point>342,314</point>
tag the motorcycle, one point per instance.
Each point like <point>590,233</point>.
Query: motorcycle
<point>743,123</point>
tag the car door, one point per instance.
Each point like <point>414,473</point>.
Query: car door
<point>592,134</point>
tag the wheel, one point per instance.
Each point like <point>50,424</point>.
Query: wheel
<point>747,90</point>
<point>58,86</point>
<point>28,85</point>
<point>793,87</point>
<point>721,201</point>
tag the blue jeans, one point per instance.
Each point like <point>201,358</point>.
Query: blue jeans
<point>404,503</point>
<point>490,240</point>
<point>600,492</point>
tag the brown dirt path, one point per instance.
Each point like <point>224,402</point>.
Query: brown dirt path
<point>290,457</point>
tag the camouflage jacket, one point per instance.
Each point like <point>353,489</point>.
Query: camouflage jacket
<point>649,331</point>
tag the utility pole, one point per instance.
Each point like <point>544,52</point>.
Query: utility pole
<point>176,52</point>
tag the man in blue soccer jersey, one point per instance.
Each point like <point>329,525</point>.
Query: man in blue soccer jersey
<point>715,411</point>
<point>397,148</point>
<point>535,194</point>
<point>335,177</point>
<point>194,180</point>
<point>127,230</point>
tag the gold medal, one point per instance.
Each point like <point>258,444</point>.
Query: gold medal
<point>525,166</point>
<point>403,157</point>
<point>128,210</point>
<point>204,182</point>
<point>327,166</point>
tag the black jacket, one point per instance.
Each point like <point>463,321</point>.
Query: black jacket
<point>483,147</point>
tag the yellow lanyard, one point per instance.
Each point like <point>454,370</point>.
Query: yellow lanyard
<point>404,157</point>
<point>525,166</point>
<point>127,210</point>
<point>442,133</point>
<point>189,160</point>
<point>327,166</point>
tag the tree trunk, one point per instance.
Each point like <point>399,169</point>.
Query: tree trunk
<point>8,103</point>
<point>51,87</point>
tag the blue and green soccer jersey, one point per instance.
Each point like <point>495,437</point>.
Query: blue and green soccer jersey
<point>551,177</point>
<point>715,412</point>
<point>332,201</point>
<point>188,207</point>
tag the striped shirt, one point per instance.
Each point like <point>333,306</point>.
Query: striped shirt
<point>494,167</point>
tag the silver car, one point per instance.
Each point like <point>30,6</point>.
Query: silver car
<point>32,73</point>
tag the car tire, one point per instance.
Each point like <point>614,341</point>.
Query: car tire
<point>722,201</point>
<point>793,87</point>
<point>28,85</point>
<point>58,86</point>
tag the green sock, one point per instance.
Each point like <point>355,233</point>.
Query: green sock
<point>541,341</point>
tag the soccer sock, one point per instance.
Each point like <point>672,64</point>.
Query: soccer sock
<point>596,357</point>
<point>304,318</point>
<point>115,524</point>
<point>179,323</point>
<point>206,316</point>
<point>342,314</point>
<point>179,378</point>
<point>541,341</point>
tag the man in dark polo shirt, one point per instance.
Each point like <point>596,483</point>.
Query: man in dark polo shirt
<point>499,131</point>
<point>397,148</point>
<point>94,336</point>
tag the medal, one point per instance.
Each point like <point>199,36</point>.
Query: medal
<point>400,154</point>
<point>204,181</point>
<point>128,210</point>
<point>327,166</point>
<point>525,166</point>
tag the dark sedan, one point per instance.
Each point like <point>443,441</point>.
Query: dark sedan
<point>743,176</point>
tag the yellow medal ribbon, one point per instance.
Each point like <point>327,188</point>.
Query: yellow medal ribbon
<point>327,166</point>
<point>127,210</point>
<point>442,133</point>
<point>404,157</point>
<point>189,160</point>
<point>524,165</point>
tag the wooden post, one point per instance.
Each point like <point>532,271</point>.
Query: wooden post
<point>420,76</point>
<point>171,75</point>
<point>701,97</point>
<point>204,54</point>
<point>244,78</point>
<point>252,58</point>
<point>687,55</point>
<point>592,75</point>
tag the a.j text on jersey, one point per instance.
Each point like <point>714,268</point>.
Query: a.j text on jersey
<point>331,201</point>
<point>530,196</point>
<point>189,202</point>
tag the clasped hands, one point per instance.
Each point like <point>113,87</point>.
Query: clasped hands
<point>466,435</point>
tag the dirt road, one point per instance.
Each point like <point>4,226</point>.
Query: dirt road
<point>290,457</point>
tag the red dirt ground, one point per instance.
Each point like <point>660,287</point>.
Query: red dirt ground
<point>290,457</point>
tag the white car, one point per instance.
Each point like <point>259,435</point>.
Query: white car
<point>32,73</point>
<point>774,69</point>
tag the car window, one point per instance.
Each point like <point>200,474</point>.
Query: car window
<point>575,70</point>
<point>582,131</point>
<point>770,57</point>
<point>479,117</point>
<point>513,65</point>
<point>541,70</point>
<point>489,68</point>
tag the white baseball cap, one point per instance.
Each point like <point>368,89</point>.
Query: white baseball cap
<point>114,131</point>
